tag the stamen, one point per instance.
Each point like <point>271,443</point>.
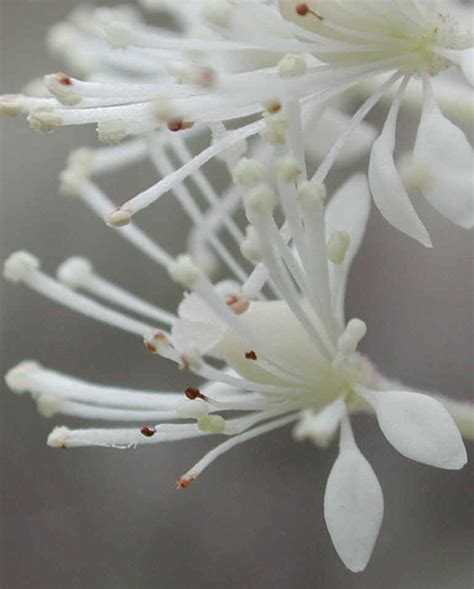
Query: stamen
<point>78,273</point>
<point>193,393</point>
<point>23,267</point>
<point>198,468</point>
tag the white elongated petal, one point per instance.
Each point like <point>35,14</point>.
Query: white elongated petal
<point>445,150</point>
<point>193,308</point>
<point>199,335</point>
<point>348,211</point>
<point>353,504</point>
<point>389,193</point>
<point>324,133</point>
<point>420,428</point>
<point>466,61</point>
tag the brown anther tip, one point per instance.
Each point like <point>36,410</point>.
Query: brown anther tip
<point>237,303</point>
<point>184,483</point>
<point>251,355</point>
<point>64,79</point>
<point>148,432</point>
<point>194,393</point>
<point>208,78</point>
<point>150,347</point>
<point>159,335</point>
<point>302,9</point>
<point>273,107</point>
<point>118,218</point>
<point>179,125</point>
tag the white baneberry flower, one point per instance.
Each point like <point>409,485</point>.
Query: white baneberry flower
<point>285,64</point>
<point>270,344</point>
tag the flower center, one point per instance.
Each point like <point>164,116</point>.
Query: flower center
<point>313,380</point>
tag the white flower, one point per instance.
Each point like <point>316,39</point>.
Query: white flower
<point>288,61</point>
<point>271,341</point>
<point>272,345</point>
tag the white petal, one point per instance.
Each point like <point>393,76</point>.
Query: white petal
<point>389,193</point>
<point>196,334</point>
<point>353,507</point>
<point>348,210</point>
<point>420,428</point>
<point>193,308</point>
<point>444,148</point>
<point>323,133</point>
<point>466,61</point>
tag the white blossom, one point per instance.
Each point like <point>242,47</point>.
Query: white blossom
<point>270,343</point>
<point>284,63</point>
<point>273,348</point>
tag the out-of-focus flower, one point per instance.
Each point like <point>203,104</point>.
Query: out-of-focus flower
<point>284,63</point>
<point>272,345</point>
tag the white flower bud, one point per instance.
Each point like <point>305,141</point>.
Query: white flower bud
<point>19,266</point>
<point>75,272</point>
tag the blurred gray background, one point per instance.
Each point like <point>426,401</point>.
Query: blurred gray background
<point>95,518</point>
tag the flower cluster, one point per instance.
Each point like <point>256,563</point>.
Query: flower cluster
<point>272,84</point>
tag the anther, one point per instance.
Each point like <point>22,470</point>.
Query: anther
<point>251,355</point>
<point>286,168</point>
<point>10,104</point>
<point>61,86</point>
<point>194,393</point>
<point>156,343</point>
<point>148,432</point>
<point>74,272</point>
<point>19,266</point>
<point>184,271</point>
<point>111,132</point>
<point>291,65</point>
<point>273,106</point>
<point>338,244</point>
<point>184,483</point>
<point>179,125</point>
<point>118,218</point>
<point>249,172</point>
<point>303,9</point>
<point>238,304</point>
